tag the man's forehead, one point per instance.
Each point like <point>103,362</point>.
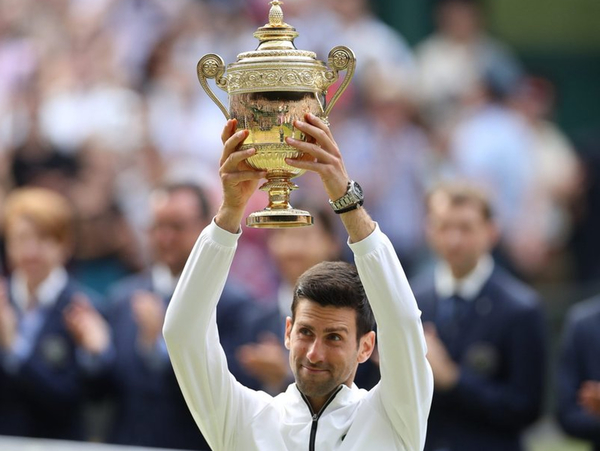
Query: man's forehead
<point>329,317</point>
<point>461,211</point>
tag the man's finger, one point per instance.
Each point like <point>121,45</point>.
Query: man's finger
<point>322,137</point>
<point>232,178</point>
<point>228,130</point>
<point>319,123</point>
<point>232,144</point>
<point>314,150</point>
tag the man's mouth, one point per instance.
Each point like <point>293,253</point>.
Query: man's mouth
<point>314,369</point>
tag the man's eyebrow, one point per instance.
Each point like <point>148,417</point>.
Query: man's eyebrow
<point>336,329</point>
<point>304,325</point>
<point>327,330</point>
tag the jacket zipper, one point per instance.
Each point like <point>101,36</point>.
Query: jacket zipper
<point>316,416</point>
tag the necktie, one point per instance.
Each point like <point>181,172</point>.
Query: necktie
<point>459,307</point>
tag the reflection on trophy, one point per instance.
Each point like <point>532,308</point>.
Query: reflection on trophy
<point>269,88</point>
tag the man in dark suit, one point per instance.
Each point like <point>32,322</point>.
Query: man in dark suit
<point>485,331</point>
<point>150,409</point>
<point>579,373</point>
<point>42,383</point>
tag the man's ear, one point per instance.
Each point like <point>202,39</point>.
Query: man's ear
<point>366,346</point>
<point>288,332</point>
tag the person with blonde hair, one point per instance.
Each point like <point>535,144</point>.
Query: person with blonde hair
<point>41,380</point>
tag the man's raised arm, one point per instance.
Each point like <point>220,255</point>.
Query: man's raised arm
<point>213,396</point>
<point>406,386</point>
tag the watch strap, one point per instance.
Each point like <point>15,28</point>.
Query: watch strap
<point>349,208</point>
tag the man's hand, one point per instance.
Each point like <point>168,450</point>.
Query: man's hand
<point>238,179</point>
<point>266,360</point>
<point>445,371</point>
<point>589,397</point>
<point>8,319</point>
<point>328,163</point>
<point>87,327</point>
<point>149,314</point>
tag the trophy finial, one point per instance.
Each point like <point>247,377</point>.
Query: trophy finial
<point>276,33</point>
<point>276,14</point>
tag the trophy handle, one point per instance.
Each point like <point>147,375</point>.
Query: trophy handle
<point>213,66</point>
<point>340,58</point>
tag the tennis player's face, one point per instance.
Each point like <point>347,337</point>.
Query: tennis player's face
<point>324,352</point>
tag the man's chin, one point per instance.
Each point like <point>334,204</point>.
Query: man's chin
<point>316,387</point>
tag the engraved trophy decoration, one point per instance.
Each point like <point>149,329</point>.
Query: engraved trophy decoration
<point>268,89</point>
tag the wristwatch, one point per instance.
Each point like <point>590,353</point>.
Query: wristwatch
<point>353,199</point>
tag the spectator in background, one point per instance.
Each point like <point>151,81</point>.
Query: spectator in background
<point>42,383</point>
<point>105,246</point>
<point>578,379</point>
<point>388,149</point>
<point>371,39</point>
<point>490,146</point>
<point>557,185</point>
<point>150,410</point>
<point>455,59</point>
<point>484,329</point>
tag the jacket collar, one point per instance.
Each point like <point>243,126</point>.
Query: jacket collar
<point>467,287</point>
<point>46,293</point>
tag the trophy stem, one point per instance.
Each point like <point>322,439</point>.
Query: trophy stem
<point>279,213</point>
<point>279,189</point>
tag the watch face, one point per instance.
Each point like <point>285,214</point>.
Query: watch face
<point>358,190</point>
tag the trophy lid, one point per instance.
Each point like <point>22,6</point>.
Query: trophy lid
<point>276,64</point>
<point>276,33</point>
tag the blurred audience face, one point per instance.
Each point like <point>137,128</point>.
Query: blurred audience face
<point>294,250</point>
<point>38,226</point>
<point>177,222</point>
<point>459,19</point>
<point>349,10</point>
<point>459,232</point>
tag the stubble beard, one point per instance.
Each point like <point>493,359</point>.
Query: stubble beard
<point>317,386</point>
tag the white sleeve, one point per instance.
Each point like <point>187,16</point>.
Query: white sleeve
<point>218,403</point>
<point>406,386</point>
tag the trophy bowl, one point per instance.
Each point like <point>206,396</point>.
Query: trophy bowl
<point>268,89</point>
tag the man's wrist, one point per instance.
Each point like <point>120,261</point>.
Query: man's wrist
<point>229,218</point>
<point>358,224</point>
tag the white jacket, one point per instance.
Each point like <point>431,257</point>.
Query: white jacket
<point>391,416</point>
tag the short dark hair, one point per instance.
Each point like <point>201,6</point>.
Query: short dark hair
<point>463,193</point>
<point>336,284</point>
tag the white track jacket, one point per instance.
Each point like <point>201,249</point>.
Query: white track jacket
<point>391,416</point>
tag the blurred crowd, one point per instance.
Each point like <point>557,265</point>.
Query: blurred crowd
<point>99,102</point>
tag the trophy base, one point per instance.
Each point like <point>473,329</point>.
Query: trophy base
<point>281,218</point>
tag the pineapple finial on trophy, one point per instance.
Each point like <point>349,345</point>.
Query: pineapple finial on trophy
<point>276,14</point>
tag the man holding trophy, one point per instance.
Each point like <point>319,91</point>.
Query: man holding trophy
<point>276,95</point>
<point>329,334</point>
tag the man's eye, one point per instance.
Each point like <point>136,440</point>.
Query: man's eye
<point>304,331</point>
<point>335,337</point>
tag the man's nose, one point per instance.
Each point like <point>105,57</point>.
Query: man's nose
<point>454,238</point>
<point>315,351</point>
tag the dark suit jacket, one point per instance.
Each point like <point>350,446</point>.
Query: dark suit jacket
<point>150,409</point>
<point>500,345</point>
<point>43,398</point>
<point>579,362</point>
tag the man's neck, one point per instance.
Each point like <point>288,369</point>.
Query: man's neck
<point>317,403</point>
<point>460,272</point>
